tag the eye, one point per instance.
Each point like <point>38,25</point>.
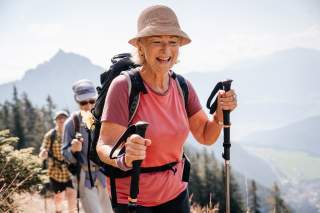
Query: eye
<point>155,42</point>
<point>174,43</point>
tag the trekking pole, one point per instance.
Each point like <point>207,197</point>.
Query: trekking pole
<point>226,86</point>
<point>77,155</point>
<point>141,128</point>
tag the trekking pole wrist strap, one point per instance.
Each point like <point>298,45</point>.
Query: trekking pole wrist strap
<point>121,163</point>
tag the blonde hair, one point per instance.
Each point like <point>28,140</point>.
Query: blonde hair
<point>136,57</point>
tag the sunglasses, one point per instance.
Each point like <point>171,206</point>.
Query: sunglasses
<point>82,103</point>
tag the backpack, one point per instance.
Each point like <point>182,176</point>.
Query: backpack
<point>122,64</point>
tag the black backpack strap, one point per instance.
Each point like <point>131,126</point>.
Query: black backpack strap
<point>76,117</point>
<point>135,88</point>
<point>88,157</point>
<point>186,168</point>
<point>76,121</point>
<point>113,188</point>
<point>53,135</point>
<point>183,87</point>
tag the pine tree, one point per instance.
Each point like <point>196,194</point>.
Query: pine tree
<point>18,120</point>
<point>48,113</point>
<point>32,125</point>
<point>212,185</point>
<point>254,205</point>
<point>277,203</point>
<point>5,116</point>
<point>236,199</point>
<point>195,186</point>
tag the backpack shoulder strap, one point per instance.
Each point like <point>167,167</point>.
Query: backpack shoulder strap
<point>76,121</point>
<point>135,87</point>
<point>183,87</point>
<point>53,135</point>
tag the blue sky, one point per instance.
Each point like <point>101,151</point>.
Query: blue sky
<point>223,32</point>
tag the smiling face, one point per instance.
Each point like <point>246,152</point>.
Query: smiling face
<point>160,52</point>
<point>60,121</point>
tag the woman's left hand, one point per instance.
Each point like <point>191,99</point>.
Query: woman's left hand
<point>227,100</point>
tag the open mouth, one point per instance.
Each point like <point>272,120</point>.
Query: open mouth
<point>163,59</point>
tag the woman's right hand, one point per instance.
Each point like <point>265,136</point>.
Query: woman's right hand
<point>76,145</point>
<point>136,148</point>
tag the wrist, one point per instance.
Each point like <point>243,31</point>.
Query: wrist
<point>121,163</point>
<point>217,120</point>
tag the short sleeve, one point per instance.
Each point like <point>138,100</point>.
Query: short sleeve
<point>115,108</point>
<point>194,105</point>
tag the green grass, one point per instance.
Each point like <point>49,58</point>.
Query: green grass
<point>295,165</point>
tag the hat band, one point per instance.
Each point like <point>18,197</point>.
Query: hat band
<point>85,91</point>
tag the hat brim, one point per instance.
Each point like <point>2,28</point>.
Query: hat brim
<point>86,96</point>
<point>62,113</point>
<point>158,31</point>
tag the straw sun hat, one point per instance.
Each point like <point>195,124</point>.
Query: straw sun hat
<point>159,20</point>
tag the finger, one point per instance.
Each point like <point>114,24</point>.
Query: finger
<point>136,139</point>
<point>147,142</point>
<point>133,149</point>
<point>227,99</point>
<point>132,157</point>
<point>229,106</point>
<point>231,92</point>
<point>221,93</point>
<point>138,147</point>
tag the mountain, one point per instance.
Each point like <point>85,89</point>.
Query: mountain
<point>273,90</point>
<point>54,77</point>
<point>299,136</point>
<point>243,162</point>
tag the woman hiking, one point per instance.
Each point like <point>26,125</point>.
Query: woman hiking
<point>157,44</point>
<point>60,177</point>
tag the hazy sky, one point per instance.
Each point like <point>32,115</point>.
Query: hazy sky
<point>223,32</point>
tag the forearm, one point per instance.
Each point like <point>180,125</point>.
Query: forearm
<point>103,151</point>
<point>211,131</point>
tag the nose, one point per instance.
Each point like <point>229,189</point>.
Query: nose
<point>165,47</point>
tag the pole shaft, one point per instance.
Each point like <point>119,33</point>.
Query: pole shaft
<point>227,185</point>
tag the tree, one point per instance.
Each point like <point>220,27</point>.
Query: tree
<point>212,184</point>
<point>277,203</point>
<point>19,171</point>
<point>18,119</point>
<point>195,186</point>
<point>48,113</point>
<point>236,200</point>
<point>5,116</point>
<point>33,124</point>
<point>254,205</point>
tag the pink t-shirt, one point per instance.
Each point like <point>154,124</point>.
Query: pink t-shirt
<point>168,129</point>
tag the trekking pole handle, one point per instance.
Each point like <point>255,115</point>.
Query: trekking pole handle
<point>77,155</point>
<point>226,113</point>
<point>226,86</point>
<point>141,128</point>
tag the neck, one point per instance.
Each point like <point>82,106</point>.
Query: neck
<point>158,81</point>
<point>59,129</point>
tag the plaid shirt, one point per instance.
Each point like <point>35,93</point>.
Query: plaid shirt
<point>56,170</point>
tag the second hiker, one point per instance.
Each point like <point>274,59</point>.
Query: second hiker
<point>92,190</point>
